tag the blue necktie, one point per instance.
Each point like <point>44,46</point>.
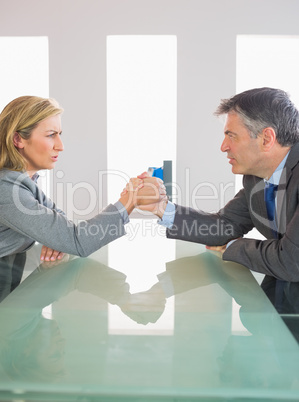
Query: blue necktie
<point>270,194</point>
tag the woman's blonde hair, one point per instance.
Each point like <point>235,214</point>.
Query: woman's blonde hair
<point>21,116</point>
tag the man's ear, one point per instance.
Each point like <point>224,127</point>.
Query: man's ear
<point>269,138</point>
<point>18,141</point>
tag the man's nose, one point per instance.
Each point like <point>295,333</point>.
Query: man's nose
<point>224,146</point>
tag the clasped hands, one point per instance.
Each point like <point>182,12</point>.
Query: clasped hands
<point>145,193</point>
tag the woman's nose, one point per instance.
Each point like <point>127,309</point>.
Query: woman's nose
<point>59,144</point>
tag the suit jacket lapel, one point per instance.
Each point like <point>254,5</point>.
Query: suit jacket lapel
<point>258,207</point>
<point>281,200</point>
<point>285,178</point>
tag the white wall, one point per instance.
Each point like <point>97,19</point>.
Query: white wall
<point>206,33</point>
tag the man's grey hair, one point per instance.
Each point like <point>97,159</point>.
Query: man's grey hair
<point>260,108</point>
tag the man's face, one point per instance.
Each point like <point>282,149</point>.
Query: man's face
<point>244,153</point>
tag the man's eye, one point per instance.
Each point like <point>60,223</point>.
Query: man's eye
<point>51,135</point>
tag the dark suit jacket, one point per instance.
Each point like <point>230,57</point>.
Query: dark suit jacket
<point>277,258</point>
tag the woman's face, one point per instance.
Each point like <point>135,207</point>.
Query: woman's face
<point>41,150</point>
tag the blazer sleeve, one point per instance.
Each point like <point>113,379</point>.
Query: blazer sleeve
<point>213,229</point>
<point>26,211</point>
<point>277,258</point>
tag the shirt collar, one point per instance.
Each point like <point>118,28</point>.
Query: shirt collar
<point>274,179</point>
<point>35,177</point>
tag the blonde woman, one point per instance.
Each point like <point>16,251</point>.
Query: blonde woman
<point>30,140</point>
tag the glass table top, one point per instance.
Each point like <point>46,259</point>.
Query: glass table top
<point>202,330</point>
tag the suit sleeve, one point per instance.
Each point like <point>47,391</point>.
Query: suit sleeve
<point>28,214</point>
<point>277,258</point>
<point>213,229</point>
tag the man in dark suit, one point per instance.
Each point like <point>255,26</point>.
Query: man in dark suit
<point>262,143</point>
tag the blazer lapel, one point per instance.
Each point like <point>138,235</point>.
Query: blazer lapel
<point>281,200</point>
<point>286,175</point>
<point>258,207</point>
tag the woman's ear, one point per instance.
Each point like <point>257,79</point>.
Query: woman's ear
<point>18,141</point>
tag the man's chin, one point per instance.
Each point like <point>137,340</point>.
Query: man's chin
<point>235,170</point>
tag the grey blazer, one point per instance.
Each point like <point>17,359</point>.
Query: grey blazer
<point>27,215</point>
<point>277,258</point>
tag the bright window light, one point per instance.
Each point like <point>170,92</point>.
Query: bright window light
<point>139,256</point>
<point>141,133</point>
<point>24,70</point>
<point>24,66</point>
<point>141,105</point>
<point>267,61</point>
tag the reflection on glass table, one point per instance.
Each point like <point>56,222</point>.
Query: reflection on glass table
<point>55,340</point>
